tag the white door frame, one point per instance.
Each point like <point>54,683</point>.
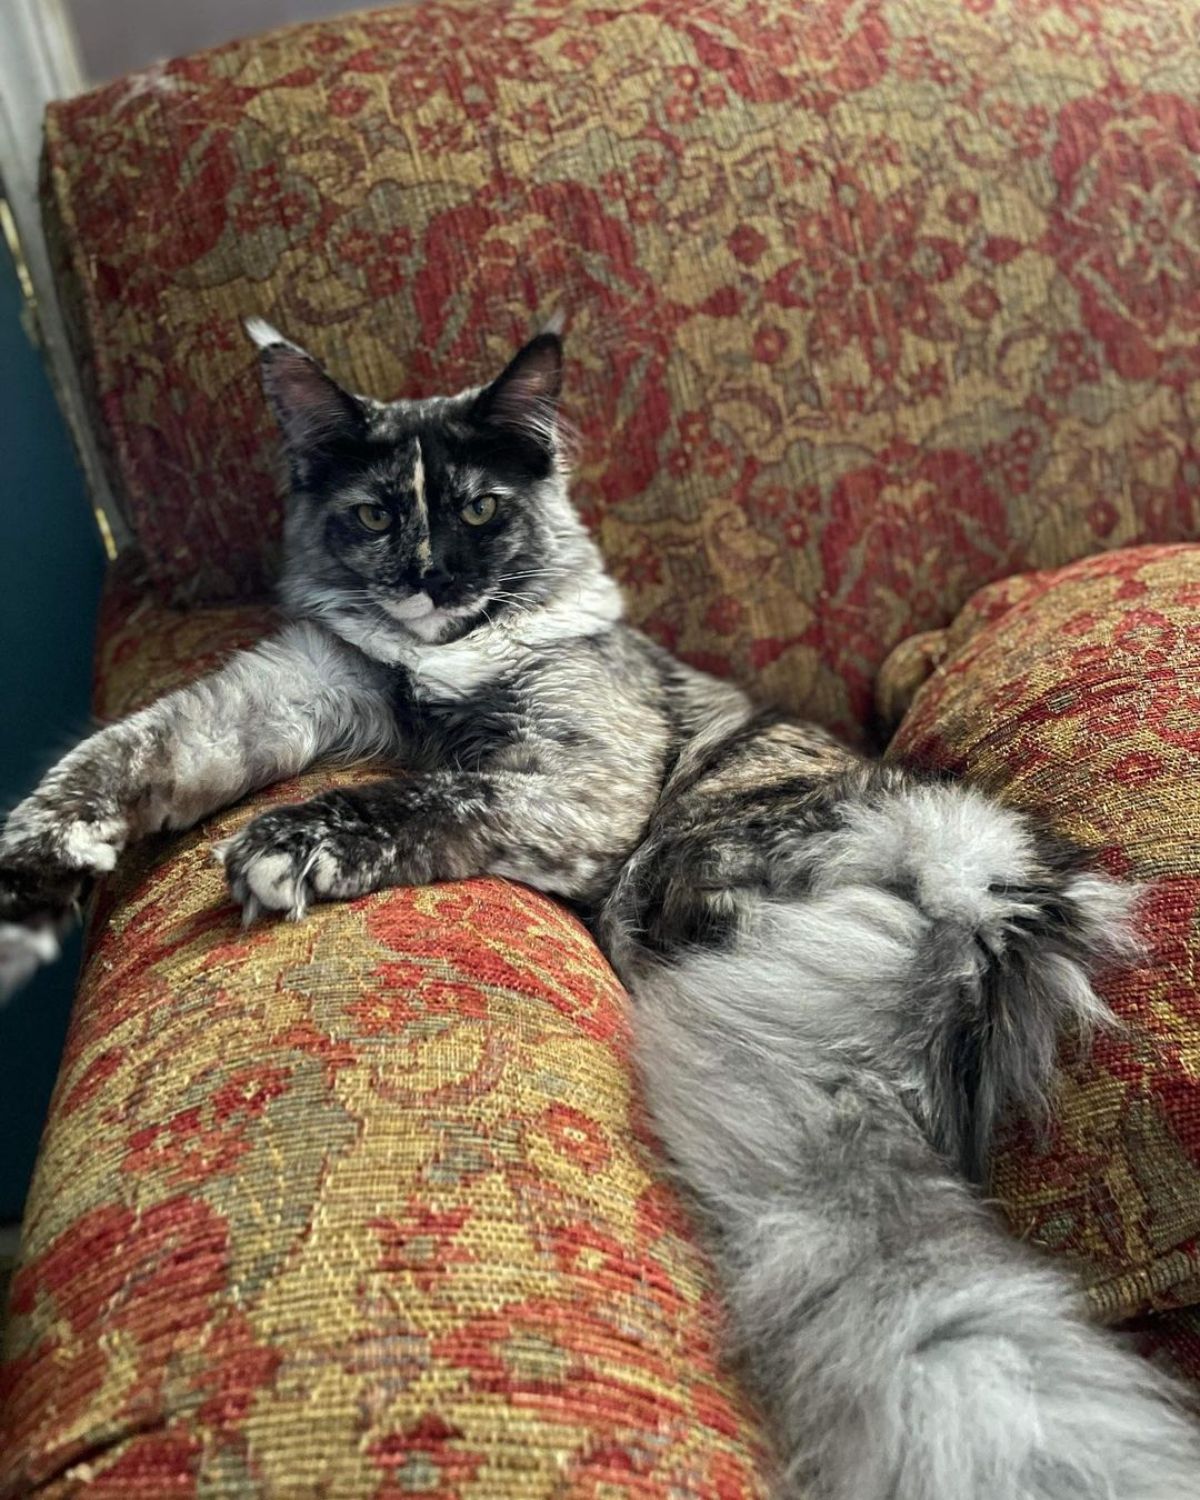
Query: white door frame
<point>39,61</point>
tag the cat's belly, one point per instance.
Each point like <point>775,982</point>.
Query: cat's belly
<point>735,826</point>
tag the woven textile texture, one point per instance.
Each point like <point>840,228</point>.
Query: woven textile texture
<point>1172,1340</point>
<point>1074,694</point>
<point>356,1207</point>
<point>868,303</point>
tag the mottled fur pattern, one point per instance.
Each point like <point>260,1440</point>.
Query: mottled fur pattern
<point>843,974</point>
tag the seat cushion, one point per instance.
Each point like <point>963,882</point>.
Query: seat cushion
<point>357,1206</point>
<point>1074,694</point>
<point>868,304</point>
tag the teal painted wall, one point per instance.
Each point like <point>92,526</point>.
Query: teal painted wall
<point>51,564</point>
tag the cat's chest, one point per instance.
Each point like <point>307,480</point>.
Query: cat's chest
<point>472,730</point>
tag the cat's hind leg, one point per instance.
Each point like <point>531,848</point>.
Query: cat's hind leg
<point>824,1052</point>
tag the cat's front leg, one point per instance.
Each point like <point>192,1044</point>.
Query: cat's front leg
<point>265,715</point>
<point>557,833</point>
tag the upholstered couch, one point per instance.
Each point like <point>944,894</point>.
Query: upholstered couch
<point>875,311</point>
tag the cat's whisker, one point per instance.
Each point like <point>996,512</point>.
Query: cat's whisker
<point>534,573</point>
<point>517,603</point>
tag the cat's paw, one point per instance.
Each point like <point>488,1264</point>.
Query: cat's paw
<point>283,861</point>
<point>93,846</point>
<point>23,950</point>
<point>38,900</point>
<point>48,857</point>
<point>41,835</point>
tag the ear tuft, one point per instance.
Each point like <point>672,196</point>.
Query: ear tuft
<point>523,399</point>
<point>309,405</point>
<point>262,333</point>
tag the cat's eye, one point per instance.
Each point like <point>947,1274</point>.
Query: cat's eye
<point>374,517</point>
<point>479,512</point>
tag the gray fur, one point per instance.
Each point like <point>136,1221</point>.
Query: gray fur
<point>796,1048</point>
<point>266,715</point>
<point>843,974</point>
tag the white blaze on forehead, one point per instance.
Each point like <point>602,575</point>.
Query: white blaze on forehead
<point>424,550</point>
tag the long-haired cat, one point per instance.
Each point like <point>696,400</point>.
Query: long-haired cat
<point>842,973</point>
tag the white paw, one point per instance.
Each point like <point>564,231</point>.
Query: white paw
<point>266,879</point>
<point>94,846</point>
<point>89,846</point>
<point>22,951</point>
<point>275,881</point>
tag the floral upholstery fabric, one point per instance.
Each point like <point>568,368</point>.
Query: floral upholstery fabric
<point>355,1207</point>
<point>1074,694</point>
<point>868,303</point>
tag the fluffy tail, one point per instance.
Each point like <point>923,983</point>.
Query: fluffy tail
<point>1007,924</point>
<point>820,1082</point>
<point>927,1358</point>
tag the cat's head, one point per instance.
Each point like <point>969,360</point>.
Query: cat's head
<point>423,518</point>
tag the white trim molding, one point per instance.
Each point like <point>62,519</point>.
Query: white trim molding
<point>39,61</point>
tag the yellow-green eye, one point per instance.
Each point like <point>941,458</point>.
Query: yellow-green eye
<point>479,512</point>
<point>373,517</point>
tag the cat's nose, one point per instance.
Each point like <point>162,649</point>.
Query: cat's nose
<point>436,583</point>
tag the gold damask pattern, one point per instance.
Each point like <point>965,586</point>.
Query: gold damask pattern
<point>869,303</point>
<point>1074,694</point>
<point>357,1207</point>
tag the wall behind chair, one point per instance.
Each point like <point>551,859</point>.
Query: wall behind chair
<point>121,36</point>
<point>51,563</point>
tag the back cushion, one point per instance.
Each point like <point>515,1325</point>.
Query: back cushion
<point>868,303</point>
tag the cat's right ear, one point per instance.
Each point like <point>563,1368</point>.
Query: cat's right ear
<point>311,408</point>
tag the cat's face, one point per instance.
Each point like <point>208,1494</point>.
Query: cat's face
<point>422,516</point>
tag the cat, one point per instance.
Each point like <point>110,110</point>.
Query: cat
<point>842,973</point>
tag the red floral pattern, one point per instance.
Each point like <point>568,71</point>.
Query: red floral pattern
<point>857,325</point>
<point>1122,229</point>
<point>869,304</point>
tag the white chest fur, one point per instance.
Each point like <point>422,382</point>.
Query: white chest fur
<point>455,670</point>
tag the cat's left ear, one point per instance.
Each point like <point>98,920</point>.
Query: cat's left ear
<point>311,408</point>
<point>523,399</point>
